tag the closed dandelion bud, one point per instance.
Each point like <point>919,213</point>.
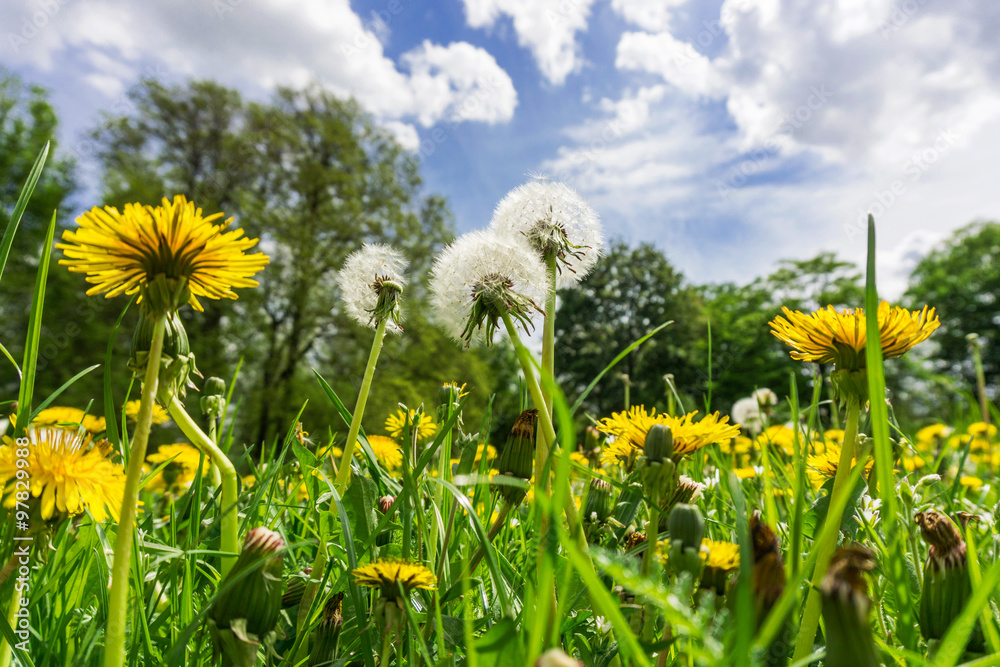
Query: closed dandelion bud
<point>295,588</point>
<point>327,633</point>
<point>213,397</point>
<point>385,507</point>
<point>517,459</point>
<point>598,507</point>
<point>659,444</point>
<point>177,361</point>
<point>768,578</point>
<point>685,490</point>
<point>627,507</point>
<point>947,585</point>
<point>686,526</point>
<point>249,604</point>
<point>846,606</point>
<point>847,383</point>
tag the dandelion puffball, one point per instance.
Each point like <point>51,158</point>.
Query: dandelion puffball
<point>370,282</point>
<point>480,277</point>
<point>554,219</point>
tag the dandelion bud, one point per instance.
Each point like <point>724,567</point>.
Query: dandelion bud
<point>385,504</point>
<point>213,397</point>
<point>598,507</point>
<point>327,634</point>
<point>249,604</point>
<point>846,607</point>
<point>295,588</point>
<point>768,578</point>
<point>372,283</point>
<point>627,507</point>
<point>686,490</point>
<point>483,278</point>
<point>177,361</point>
<point>947,585</point>
<point>517,458</point>
<point>659,444</point>
<point>686,526</point>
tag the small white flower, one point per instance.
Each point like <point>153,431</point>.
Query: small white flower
<point>363,278</point>
<point>554,218</point>
<point>481,274</point>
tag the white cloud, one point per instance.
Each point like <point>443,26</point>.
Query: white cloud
<point>462,81</point>
<point>547,27</point>
<point>651,15</point>
<point>262,45</point>
<point>806,117</point>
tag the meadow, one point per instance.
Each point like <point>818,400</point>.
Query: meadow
<point>793,530</point>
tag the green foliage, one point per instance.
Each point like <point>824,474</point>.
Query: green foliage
<point>961,278</point>
<point>629,292</point>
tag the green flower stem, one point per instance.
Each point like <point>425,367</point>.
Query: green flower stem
<point>548,349</point>
<point>344,471</point>
<point>810,617</point>
<point>114,641</point>
<point>230,542</point>
<point>648,567</point>
<point>542,452</point>
<point>341,483</point>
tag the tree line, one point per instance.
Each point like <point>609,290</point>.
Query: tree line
<point>313,176</point>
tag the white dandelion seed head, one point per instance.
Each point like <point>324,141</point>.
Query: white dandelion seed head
<point>358,276</point>
<point>540,209</point>
<point>470,260</point>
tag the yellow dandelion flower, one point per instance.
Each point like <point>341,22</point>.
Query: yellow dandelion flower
<point>738,445</point>
<point>390,575</point>
<point>982,429</point>
<point>973,483</point>
<point>66,417</point>
<point>911,463</point>
<point>828,336</point>
<point>179,474</point>
<point>616,452</point>
<point>929,436</point>
<point>249,481</point>
<point>723,556</point>
<point>160,414</point>
<point>387,451</point>
<point>778,435</point>
<point>123,252</point>
<point>746,473</point>
<point>579,458</point>
<point>689,435</point>
<point>67,471</point>
<point>822,467</point>
<point>834,435</point>
<point>395,424</point>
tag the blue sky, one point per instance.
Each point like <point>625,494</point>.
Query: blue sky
<point>729,133</point>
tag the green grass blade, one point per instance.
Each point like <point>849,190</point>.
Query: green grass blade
<point>54,395</point>
<point>7,354</point>
<point>614,362</point>
<point>22,203</point>
<point>952,647</point>
<point>352,559</point>
<point>30,363</point>
<point>110,413</point>
<point>879,415</point>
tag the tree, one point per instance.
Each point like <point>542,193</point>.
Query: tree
<point>313,177</point>
<point>630,292</point>
<point>961,279</point>
<point>27,121</point>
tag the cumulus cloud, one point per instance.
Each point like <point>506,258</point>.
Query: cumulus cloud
<point>779,125</point>
<point>262,45</point>
<point>546,27</point>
